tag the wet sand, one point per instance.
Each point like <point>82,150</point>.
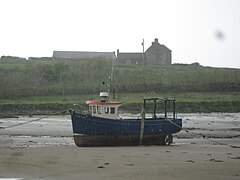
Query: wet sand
<point>45,149</point>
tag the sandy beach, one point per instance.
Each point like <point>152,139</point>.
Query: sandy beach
<point>44,149</point>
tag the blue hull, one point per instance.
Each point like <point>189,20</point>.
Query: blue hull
<point>94,131</point>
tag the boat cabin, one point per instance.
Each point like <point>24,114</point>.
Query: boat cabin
<point>104,108</point>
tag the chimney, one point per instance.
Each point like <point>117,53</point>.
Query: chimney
<point>155,42</point>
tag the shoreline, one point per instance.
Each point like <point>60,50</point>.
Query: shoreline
<point>13,110</point>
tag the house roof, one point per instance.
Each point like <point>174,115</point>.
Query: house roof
<point>82,55</point>
<point>156,44</point>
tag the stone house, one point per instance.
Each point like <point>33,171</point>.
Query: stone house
<point>81,55</point>
<point>157,54</point>
<point>129,58</point>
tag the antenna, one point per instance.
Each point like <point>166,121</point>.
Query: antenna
<point>143,45</point>
<point>143,53</point>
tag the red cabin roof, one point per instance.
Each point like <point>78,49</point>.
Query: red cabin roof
<point>102,103</point>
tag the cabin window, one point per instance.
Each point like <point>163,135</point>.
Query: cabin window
<point>94,110</point>
<point>106,109</point>
<point>112,110</point>
<point>90,109</point>
<point>98,109</point>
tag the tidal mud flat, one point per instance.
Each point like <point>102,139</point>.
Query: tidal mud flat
<point>208,147</point>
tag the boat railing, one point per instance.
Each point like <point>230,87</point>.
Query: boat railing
<point>147,116</point>
<point>84,110</point>
<point>166,103</point>
<point>129,116</point>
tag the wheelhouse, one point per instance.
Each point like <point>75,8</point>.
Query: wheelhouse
<point>104,108</point>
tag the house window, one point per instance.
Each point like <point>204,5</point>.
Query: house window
<point>112,110</point>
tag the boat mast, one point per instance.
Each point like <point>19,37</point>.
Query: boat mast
<point>110,80</point>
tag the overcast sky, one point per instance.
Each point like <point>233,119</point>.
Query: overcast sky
<point>204,31</point>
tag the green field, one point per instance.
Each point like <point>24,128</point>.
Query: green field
<point>49,86</point>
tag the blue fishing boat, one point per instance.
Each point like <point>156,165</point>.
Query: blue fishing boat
<point>103,126</point>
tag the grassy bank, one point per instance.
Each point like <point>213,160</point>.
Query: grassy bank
<point>45,87</point>
<point>69,78</point>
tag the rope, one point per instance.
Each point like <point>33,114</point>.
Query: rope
<point>34,120</point>
<point>204,137</point>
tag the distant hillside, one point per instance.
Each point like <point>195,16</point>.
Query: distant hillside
<point>51,78</point>
<point>176,78</point>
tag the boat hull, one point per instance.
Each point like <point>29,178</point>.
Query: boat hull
<point>94,131</point>
<point>88,141</point>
